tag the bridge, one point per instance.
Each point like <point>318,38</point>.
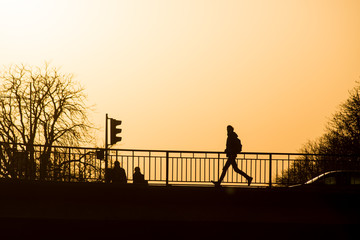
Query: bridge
<point>68,210</point>
<point>165,167</point>
<point>68,197</point>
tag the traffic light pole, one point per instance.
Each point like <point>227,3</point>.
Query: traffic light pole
<point>113,139</point>
<point>106,145</point>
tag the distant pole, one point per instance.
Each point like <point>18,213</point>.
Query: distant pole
<point>30,124</point>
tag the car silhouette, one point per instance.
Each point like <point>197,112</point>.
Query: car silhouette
<point>338,178</point>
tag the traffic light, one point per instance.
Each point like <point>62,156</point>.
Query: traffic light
<point>114,130</point>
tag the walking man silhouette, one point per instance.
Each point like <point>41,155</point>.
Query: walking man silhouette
<point>231,152</point>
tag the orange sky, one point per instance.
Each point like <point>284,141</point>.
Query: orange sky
<point>178,72</point>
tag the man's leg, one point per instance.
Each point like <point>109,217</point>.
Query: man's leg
<point>227,165</point>
<point>236,169</point>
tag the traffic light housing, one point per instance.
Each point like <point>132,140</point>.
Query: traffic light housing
<point>114,131</point>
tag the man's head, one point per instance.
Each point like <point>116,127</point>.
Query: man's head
<point>116,163</point>
<point>230,128</point>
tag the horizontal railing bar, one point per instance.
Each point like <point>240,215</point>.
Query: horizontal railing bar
<point>189,151</point>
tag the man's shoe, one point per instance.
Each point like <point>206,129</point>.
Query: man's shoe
<point>217,184</point>
<point>249,180</point>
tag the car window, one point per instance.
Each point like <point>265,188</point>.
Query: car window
<point>339,178</point>
<point>330,180</point>
<point>355,180</point>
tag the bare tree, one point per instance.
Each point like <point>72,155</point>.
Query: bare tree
<point>39,105</point>
<point>337,148</point>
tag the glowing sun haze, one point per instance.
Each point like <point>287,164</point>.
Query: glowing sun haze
<point>178,72</point>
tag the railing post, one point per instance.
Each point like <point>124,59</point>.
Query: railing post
<point>218,171</point>
<point>270,170</point>
<point>133,162</point>
<point>69,178</point>
<point>167,168</point>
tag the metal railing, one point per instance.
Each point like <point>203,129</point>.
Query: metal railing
<point>76,164</point>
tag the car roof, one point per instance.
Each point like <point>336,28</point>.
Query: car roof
<point>332,172</point>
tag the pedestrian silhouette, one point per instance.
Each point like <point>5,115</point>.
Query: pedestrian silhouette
<point>233,147</point>
<point>118,174</point>
<point>138,177</point>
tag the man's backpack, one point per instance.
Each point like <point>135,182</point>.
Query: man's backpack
<point>238,145</point>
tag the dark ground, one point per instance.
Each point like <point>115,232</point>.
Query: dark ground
<point>104,211</point>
